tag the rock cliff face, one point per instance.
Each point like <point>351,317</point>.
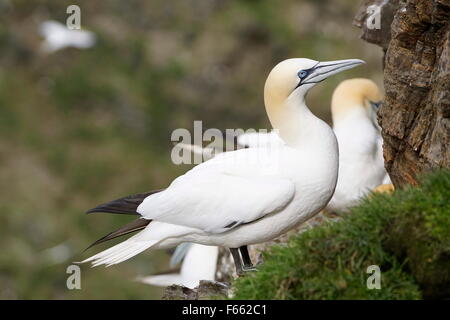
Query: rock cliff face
<point>206,290</point>
<point>415,36</point>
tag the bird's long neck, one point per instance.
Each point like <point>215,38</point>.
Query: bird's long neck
<point>296,124</point>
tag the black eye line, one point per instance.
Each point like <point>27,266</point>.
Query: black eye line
<point>315,67</point>
<point>308,71</point>
<point>319,74</point>
<point>375,104</point>
<point>328,65</point>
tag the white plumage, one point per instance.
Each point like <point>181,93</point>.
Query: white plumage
<point>361,163</point>
<point>249,196</point>
<point>57,36</point>
<point>257,139</point>
<point>199,264</point>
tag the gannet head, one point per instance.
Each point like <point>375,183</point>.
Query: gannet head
<point>294,77</point>
<point>356,95</point>
<point>286,87</point>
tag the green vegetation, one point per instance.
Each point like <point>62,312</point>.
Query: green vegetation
<point>407,234</point>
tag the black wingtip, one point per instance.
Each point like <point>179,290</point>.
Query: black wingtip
<point>109,209</point>
<point>133,226</point>
<point>99,209</point>
<point>125,205</point>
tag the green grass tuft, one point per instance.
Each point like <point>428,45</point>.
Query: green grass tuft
<point>406,234</point>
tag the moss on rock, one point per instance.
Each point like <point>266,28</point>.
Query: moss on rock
<point>420,233</point>
<point>406,234</point>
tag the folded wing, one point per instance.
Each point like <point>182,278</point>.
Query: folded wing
<point>219,197</point>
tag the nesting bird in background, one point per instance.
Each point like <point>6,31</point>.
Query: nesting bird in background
<point>354,107</point>
<point>233,201</point>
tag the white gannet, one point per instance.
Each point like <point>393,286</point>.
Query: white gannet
<point>199,263</point>
<point>361,165</point>
<point>354,108</point>
<point>57,36</point>
<point>230,200</point>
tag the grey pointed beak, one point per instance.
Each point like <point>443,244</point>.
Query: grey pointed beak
<point>323,70</point>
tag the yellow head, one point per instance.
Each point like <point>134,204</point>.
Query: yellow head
<point>291,79</point>
<point>355,94</point>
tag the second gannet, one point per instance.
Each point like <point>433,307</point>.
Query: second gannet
<point>354,108</point>
<point>230,200</point>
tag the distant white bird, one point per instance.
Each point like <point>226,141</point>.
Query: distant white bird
<point>233,201</point>
<point>199,263</point>
<point>57,36</point>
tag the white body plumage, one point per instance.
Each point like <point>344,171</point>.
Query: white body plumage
<point>199,263</point>
<point>361,164</point>
<point>249,196</point>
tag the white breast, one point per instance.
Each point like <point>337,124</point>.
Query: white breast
<point>361,165</point>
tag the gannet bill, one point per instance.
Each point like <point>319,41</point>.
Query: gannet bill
<point>57,36</point>
<point>230,200</point>
<point>199,263</point>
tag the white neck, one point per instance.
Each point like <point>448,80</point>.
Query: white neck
<point>355,114</point>
<point>356,133</point>
<point>298,126</point>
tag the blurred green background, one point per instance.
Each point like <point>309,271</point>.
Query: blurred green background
<point>81,127</point>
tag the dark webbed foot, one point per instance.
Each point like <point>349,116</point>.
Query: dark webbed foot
<point>242,265</point>
<point>249,269</point>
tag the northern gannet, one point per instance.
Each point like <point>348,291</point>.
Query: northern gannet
<point>361,165</point>
<point>230,200</point>
<point>57,36</point>
<point>354,107</point>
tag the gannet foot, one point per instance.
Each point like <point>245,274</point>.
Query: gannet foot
<point>249,268</point>
<point>245,269</point>
<point>245,264</point>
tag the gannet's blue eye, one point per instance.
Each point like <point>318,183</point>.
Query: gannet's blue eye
<point>375,105</point>
<point>302,74</point>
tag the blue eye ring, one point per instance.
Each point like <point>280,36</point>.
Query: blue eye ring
<point>302,74</point>
<point>375,105</point>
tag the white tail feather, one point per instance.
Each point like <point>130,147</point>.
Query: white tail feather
<point>162,280</point>
<point>154,234</point>
<point>120,252</point>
